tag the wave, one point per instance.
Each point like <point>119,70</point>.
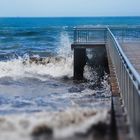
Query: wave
<point>35,66</point>
<point>28,33</point>
<point>63,124</point>
<point>31,31</point>
<point>60,65</point>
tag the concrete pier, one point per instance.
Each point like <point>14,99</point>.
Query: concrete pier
<point>122,45</point>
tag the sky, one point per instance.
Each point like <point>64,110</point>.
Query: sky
<point>70,8</point>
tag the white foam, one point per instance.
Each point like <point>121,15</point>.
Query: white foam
<point>82,127</point>
<point>64,124</point>
<point>17,69</point>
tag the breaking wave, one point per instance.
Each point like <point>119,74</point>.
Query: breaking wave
<point>58,125</point>
<point>26,67</point>
<point>38,67</point>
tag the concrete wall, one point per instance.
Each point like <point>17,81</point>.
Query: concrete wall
<point>94,56</point>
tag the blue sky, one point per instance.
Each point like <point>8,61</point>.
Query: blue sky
<point>51,8</point>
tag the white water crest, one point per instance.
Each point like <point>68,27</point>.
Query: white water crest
<point>17,69</point>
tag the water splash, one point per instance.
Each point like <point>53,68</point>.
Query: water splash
<point>65,45</point>
<point>57,66</point>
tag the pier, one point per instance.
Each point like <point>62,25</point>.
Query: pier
<point>122,45</point>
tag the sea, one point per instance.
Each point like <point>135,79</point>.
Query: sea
<point>34,92</point>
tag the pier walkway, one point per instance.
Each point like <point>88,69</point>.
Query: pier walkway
<point>123,51</point>
<point>132,51</point>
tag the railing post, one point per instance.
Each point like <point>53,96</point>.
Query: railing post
<point>75,35</point>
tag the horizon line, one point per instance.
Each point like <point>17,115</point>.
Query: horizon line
<point>65,16</point>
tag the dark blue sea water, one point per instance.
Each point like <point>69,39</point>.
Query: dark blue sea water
<point>34,92</point>
<point>26,86</point>
<point>68,21</point>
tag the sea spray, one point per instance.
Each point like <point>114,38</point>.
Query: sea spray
<point>65,45</point>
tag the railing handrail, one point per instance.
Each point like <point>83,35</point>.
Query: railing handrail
<point>89,28</point>
<point>130,67</point>
<point>104,27</point>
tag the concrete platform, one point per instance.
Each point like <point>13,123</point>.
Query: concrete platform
<point>132,51</point>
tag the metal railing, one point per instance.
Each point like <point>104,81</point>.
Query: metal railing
<point>129,81</point>
<point>126,34</point>
<point>89,35</point>
<point>98,34</point>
